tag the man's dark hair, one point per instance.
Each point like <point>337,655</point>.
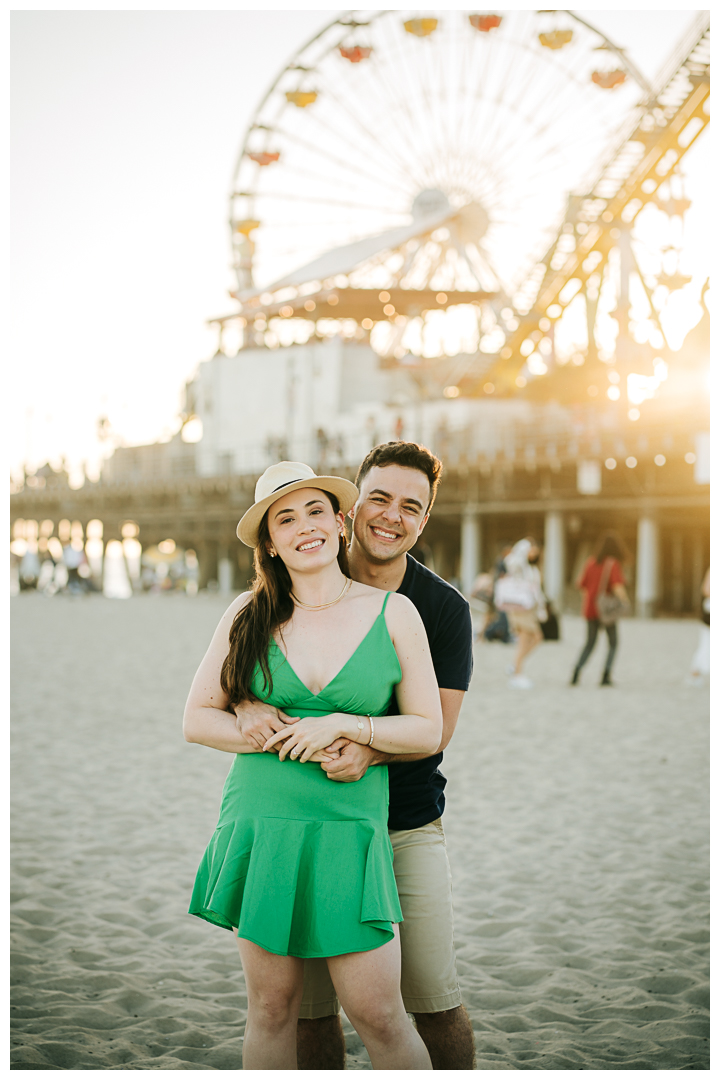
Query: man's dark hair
<point>410,455</point>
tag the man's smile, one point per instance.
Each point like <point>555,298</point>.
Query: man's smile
<point>383,534</point>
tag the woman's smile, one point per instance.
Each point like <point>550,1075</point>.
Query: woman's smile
<point>310,545</point>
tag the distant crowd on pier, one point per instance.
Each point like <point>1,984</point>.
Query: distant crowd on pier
<point>508,602</point>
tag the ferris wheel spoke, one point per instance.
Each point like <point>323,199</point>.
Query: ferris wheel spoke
<point>399,161</point>
<point>369,136</point>
<point>499,60</point>
<point>509,148</point>
<point>351,187</point>
<point>494,57</point>
<point>405,98</point>
<point>402,95</point>
<point>389,100</point>
<point>426,115</point>
<point>403,162</point>
<point>493,133</point>
<point>401,129</point>
<point>323,201</point>
<point>322,128</point>
<point>355,170</point>
<point>435,64</point>
<point>342,135</point>
<point>557,148</point>
<point>523,90</point>
<point>485,118</point>
<point>468,51</point>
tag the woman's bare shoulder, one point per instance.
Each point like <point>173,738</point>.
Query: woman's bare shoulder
<point>396,603</point>
<point>237,605</point>
<point>366,596</point>
<point>401,612</point>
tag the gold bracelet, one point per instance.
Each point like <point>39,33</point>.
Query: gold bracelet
<point>372,730</point>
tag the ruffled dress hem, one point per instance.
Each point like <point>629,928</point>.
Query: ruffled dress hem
<point>319,879</point>
<point>208,916</point>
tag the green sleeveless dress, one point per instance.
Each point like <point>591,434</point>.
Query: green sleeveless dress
<point>300,864</point>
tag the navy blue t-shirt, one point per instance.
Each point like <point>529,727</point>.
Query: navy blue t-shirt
<point>417,787</point>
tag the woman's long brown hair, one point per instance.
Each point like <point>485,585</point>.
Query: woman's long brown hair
<point>269,607</point>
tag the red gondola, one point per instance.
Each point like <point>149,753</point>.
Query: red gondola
<point>485,23</point>
<point>264,157</point>
<point>355,53</point>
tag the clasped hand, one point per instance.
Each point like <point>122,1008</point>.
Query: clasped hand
<point>257,722</point>
<point>304,739</point>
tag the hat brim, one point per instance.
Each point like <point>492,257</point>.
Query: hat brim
<point>344,491</point>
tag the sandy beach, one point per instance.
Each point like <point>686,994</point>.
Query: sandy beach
<point>577,826</point>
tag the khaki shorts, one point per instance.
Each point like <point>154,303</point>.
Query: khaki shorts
<point>524,620</point>
<point>429,980</point>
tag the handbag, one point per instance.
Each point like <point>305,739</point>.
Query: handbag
<point>551,627</point>
<point>512,592</point>
<point>498,629</point>
<point>610,608</point>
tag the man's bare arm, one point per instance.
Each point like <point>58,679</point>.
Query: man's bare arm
<point>355,760</point>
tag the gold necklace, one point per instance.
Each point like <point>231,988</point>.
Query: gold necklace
<point>320,607</point>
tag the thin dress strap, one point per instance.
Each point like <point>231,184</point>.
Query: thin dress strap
<point>387,597</point>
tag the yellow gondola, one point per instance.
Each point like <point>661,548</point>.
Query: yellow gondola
<point>608,80</point>
<point>556,39</point>
<point>246,226</point>
<point>674,281</point>
<point>301,98</point>
<point>421,27</point>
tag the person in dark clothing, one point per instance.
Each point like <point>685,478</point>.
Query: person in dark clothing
<point>497,627</point>
<point>602,572</point>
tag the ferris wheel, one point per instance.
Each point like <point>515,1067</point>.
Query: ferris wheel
<point>388,117</point>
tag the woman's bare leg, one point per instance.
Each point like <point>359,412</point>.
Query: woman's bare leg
<point>526,643</point>
<point>368,986</point>
<point>274,990</point>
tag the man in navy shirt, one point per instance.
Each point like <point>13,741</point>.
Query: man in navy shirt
<point>397,483</point>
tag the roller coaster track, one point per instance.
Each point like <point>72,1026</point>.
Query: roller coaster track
<point>649,150</point>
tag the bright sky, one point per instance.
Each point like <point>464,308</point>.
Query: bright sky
<point>125,130</point>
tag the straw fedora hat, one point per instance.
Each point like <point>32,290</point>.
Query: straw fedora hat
<point>283,478</point>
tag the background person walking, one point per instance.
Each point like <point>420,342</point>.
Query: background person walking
<point>602,576</point>
<point>519,593</point>
<point>700,666</point>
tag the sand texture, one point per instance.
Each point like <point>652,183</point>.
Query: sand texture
<point>577,826</point>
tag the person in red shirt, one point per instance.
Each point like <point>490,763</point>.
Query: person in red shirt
<point>610,549</point>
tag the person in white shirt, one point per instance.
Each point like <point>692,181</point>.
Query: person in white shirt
<point>520,595</point>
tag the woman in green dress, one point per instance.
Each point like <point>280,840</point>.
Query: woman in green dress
<point>300,866</point>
